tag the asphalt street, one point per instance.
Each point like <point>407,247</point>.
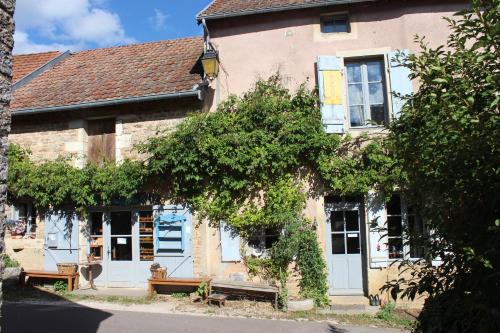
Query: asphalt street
<point>30,318</point>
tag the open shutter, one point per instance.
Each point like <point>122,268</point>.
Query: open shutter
<point>229,244</point>
<point>330,92</point>
<point>61,239</point>
<point>377,218</point>
<point>400,81</point>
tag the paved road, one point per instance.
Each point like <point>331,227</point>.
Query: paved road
<point>29,318</point>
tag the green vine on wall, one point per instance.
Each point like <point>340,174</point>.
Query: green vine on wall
<point>59,186</point>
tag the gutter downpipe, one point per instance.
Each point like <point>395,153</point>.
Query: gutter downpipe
<point>196,92</point>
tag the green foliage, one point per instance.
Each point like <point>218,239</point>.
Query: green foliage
<point>9,262</point>
<point>447,143</point>
<point>60,287</point>
<point>58,185</point>
<point>387,312</point>
<point>202,289</point>
<point>242,164</point>
<point>179,295</point>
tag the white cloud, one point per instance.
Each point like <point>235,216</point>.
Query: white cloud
<point>158,20</point>
<point>63,24</point>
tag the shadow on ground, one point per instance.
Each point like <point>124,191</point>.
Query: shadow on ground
<point>334,329</point>
<point>62,316</point>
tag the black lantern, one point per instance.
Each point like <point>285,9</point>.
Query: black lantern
<point>210,63</point>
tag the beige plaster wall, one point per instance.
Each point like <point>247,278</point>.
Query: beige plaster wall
<point>290,42</point>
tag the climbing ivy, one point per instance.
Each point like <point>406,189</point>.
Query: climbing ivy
<point>255,160</point>
<point>58,185</point>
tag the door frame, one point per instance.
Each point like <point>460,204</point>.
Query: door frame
<point>343,206</point>
<point>106,237</point>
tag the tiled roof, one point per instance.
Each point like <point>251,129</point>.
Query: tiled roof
<point>221,8</point>
<point>24,64</point>
<point>164,67</point>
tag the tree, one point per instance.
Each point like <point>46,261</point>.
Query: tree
<point>447,143</point>
<point>6,44</point>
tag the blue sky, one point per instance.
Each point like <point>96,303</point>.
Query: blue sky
<point>44,25</point>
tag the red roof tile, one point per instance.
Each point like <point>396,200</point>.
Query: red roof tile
<point>24,64</point>
<point>219,8</point>
<point>114,73</point>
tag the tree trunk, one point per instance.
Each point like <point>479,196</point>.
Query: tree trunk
<point>6,44</point>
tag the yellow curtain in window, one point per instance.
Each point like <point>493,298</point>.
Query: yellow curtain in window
<point>332,87</point>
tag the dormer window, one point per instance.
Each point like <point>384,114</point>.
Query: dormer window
<point>335,24</point>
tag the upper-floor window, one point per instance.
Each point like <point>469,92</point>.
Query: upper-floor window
<point>101,144</point>
<point>335,24</point>
<point>366,96</point>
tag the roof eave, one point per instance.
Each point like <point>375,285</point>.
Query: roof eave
<point>274,9</point>
<point>103,103</point>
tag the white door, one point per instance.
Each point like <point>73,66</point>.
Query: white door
<point>344,250</point>
<point>120,254</point>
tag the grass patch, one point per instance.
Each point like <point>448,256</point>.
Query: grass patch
<point>395,320</point>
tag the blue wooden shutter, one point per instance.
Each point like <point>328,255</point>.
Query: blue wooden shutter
<point>400,81</point>
<point>377,222</point>
<point>229,244</point>
<point>61,239</point>
<point>330,86</point>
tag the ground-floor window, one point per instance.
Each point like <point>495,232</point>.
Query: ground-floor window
<point>23,219</point>
<point>262,240</point>
<point>405,229</point>
<point>146,227</point>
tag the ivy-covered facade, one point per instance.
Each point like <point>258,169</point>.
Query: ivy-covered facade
<point>215,195</point>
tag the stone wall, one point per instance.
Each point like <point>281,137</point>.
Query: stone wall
<point>6,45</point>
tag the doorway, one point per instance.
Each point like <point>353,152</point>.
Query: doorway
<point>119,254</point>
<point>344,246</point>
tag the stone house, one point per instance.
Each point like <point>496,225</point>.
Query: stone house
<point>98,104</point>
<point>106,100</point>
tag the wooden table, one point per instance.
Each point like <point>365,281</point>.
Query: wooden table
<point>91,275</point>
<point>188,282</point>
<point>71,278</point>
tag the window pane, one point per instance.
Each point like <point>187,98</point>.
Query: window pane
<point>395,248</point>
<point>121,223</point>
<point>416,230</point>
<point>354,73</point>
<point>340,25</point>
<point>353,243</point>
<point>394,226</point>
<point>338,244</point>
<point>96,223</point>
<point>377,114</point>
<point>374,69</point>
<point>394,205</point>
<point>351,220</point>
<point>121,248</point>
<point>357,114</point>
<point>376,93</point>
<point>337,219</point>
<point>355,92</point>
<point>327,26</point>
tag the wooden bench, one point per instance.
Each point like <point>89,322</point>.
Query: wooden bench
<point>240,287</point>
<point>71,278</point>
<point>217,298</point>
<point>183,282</point>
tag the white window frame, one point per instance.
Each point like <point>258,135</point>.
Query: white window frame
<point>366,96</point>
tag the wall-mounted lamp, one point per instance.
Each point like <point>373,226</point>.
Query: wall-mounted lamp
<point>210,63</point>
